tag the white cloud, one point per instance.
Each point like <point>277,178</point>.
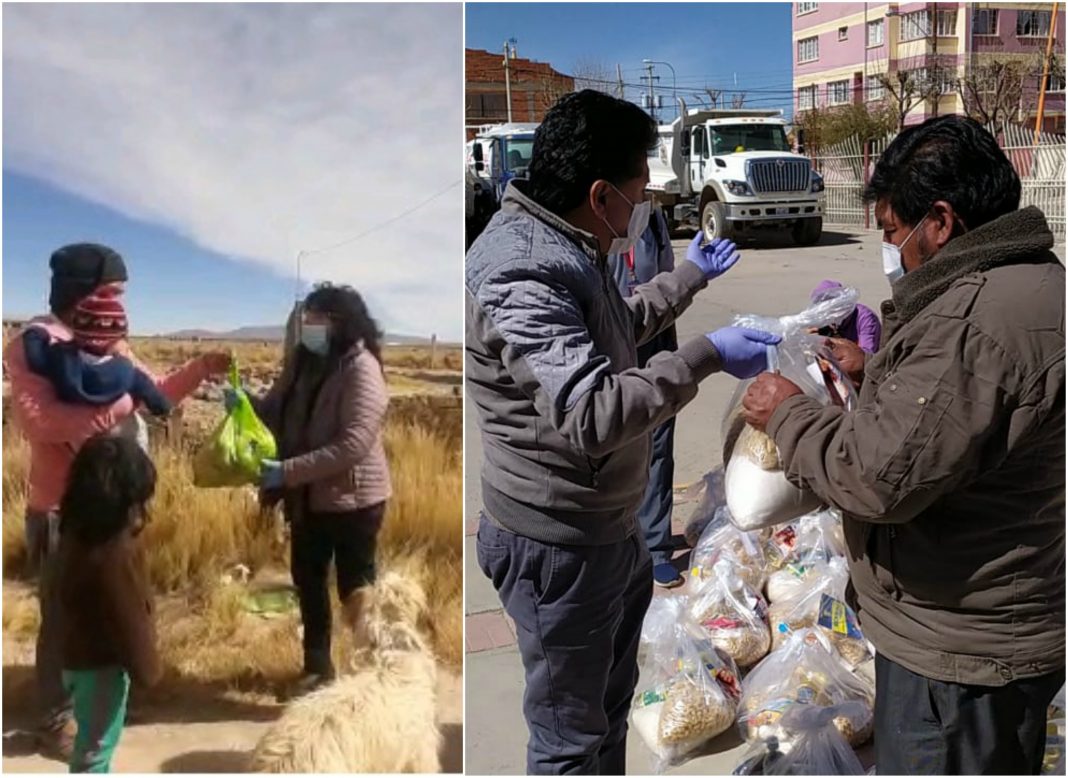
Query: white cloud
<point>257,130</point>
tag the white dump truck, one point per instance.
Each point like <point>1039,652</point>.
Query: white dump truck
<point>729,172</point>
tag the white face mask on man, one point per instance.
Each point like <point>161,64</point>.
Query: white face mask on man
<point>639,220</point>
<point>892,266</point>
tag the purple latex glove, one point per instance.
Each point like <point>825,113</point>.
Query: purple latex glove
<point>744,352</point>
<point>714,258</point>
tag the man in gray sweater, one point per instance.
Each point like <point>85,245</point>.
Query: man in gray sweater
<point>566,415</point>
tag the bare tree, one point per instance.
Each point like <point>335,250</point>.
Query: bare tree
<point>591,74</point>
<point>738,100</point>
<point>906,89</point>
<point>714,96</point>
<point>992,89</point>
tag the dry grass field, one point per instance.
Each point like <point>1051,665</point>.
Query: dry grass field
<point>214,637</point>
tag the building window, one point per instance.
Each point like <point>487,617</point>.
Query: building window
<point>948,82</point>
<point>808,49</point>
<point>807,8</point>
<point>947,24</point>
<point>915,25</point>
<point>843,33</point>
<point>919,79</point>
<point>1030,24</point>
<point>1055,82</point>
<point>806,98</point>
<point>985,21</point>
<point>876,89</point>
<point>838,93</point>
<point>875,33</point>
<point>488,105</point>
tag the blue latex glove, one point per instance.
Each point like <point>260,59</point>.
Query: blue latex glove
<point>715,258</point>
<point>229,398</point>
<point>271,474</point>
<point>744,352</point>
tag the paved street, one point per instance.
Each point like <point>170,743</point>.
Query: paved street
<point>773,277</point>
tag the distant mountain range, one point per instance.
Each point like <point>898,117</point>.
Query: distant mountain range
<point>275,333</point>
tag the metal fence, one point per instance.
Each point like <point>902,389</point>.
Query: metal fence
<point>847,166</point>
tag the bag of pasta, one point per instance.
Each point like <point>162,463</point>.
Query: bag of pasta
<point>805,670</point>
<point>757,491</point>
<point>732,615</point>
<point>722,540</point>
<point>687,695</point>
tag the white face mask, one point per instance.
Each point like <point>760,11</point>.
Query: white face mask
<point>639,220</point>
<point>892,266</point>
<point>315,338</point>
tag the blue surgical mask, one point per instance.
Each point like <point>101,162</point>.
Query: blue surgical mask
<point>315,338</point>
<point>892,266</point>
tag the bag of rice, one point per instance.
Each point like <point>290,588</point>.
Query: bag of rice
<point>804,670</point>
<point>757,491</point>
<point>722,540</point>
<point>688,694</point>
<point>732,615</point>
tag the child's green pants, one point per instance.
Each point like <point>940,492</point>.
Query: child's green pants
<point>99,698</point>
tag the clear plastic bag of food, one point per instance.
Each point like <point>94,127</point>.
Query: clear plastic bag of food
<point>820,536</point>
<point>1053,761</point>
<point>687,695</point>
<point>818,746</point>
<point>712,498</point>
<point>732,615</point>
<point>779,547</point>
<point>813,595</point>
<point>661,618</point>
<point>722,540</point>
<point>805,670</point>
<point>757,491</point>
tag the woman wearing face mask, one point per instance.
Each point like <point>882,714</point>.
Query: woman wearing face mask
<point>327,411</point>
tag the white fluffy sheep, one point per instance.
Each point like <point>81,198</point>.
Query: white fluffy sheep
<point>381,716</point>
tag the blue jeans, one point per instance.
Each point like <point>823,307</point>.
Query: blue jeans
<point>654,515</point>
<point>578,613</point>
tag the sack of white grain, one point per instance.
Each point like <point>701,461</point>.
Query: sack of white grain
<point>804,670</point>
<point>758,493</point>
<point>732,614</point>
<point>818,746</point>
<point>721,539</point>
<point>712,498</point>
<point>688,694</point>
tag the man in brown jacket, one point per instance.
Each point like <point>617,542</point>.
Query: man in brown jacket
<point>951,470</point>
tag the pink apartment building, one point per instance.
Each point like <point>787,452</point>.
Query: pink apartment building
<point>840,49</point>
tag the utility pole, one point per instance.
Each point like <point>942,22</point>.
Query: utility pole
<point>1045,73</point>
<point>936,65</point>
<point>509,55</point>
<point>619,78</point>
<point>652,92</point>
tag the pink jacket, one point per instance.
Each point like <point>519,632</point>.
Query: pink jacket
<point>56,430</point>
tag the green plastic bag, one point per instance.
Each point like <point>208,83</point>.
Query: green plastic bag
<point>234,454</point>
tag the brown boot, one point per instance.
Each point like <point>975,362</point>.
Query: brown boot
<point>57,742</point>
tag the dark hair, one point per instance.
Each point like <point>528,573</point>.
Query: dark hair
<point>949,158</point>
<point>111,476</point>
<point>587,136</point>
<point>349,317</point>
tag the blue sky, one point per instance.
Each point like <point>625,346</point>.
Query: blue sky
<point>293,127</point>
<point>707,43</point>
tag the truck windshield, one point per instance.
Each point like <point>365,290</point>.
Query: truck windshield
<point>517,153</point>
<point>732,138</point>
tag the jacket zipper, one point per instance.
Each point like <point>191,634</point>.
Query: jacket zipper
<point>594,472</point>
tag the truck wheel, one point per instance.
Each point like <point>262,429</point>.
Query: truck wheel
<point>714,221</point>
<point>807,232</point>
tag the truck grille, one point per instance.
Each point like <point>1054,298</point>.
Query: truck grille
<point>779,175</point>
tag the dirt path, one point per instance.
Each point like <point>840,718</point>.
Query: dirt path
<point>179,739</point>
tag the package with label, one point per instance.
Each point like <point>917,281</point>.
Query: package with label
<point>732,614</point>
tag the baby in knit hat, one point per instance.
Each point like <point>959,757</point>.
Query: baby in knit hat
<point>86,295</point>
